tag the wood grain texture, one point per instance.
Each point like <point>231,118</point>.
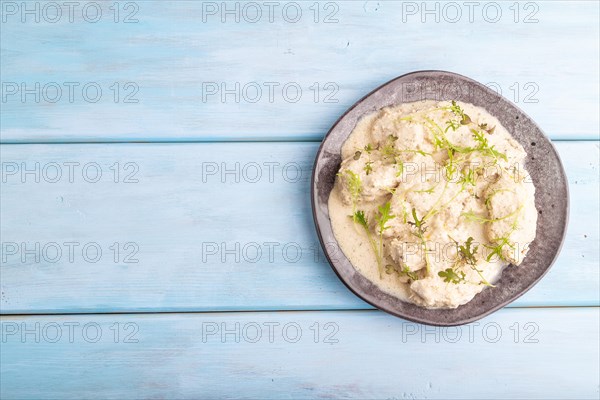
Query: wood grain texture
<point>186,215</point>
<point>177,211</point>
<point>533,353</point>
<point>548,67</point>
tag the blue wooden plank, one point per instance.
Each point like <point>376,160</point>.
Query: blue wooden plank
<point>169,64</point>
<point>515,353</point>
<point>188,235</point>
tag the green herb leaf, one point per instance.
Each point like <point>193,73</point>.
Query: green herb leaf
<point>430,190</point>
<point>459,112</point>
<point>467,253</point>
<point>499,247</point>
<point>452,124</point>
<point>411,275</point>
<point>417,222</point>
<point>484,146</point>
<point>468,176</point>
<point>360,218</point>
<point>383,217</point>
<point>400,167</point>
<point>485,127</point>
<point>452,276</point>
<point>354,187</point>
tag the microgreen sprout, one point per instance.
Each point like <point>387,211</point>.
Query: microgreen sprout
<point>420,229</point>
<point>471,216</point>
<point>355,189</point>
<point>495,192</point>
<point>454,276</point>
<point>489,130</point>
<point>468,176</point>
<point>382,218</point>
<point>452,124</point>
<point>390,269</point>
<point>459,112</point>
<point>498,248</point>
<point>484,147</point>
<point>430,190</point>
<point>467,256</point>
<point>500,242</point>
<point>361,219</point>
<point>467,253</point>
<point>399,167</point>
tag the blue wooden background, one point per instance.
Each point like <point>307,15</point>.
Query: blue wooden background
<point>156,232</point>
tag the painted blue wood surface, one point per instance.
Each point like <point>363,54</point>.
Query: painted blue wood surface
<point>548,67</point>
<point>515,353</point>
<point>547,62</point>
<point>185,216</point>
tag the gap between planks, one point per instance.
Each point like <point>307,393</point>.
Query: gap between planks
<point>281,311</point>
<point>308,139</point>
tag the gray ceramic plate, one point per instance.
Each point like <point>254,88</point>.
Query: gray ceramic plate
<point>543,163</point>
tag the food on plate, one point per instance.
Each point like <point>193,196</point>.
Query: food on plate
<point>432,201</point>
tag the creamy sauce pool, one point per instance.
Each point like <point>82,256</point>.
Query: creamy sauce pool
<point>489,200</point>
